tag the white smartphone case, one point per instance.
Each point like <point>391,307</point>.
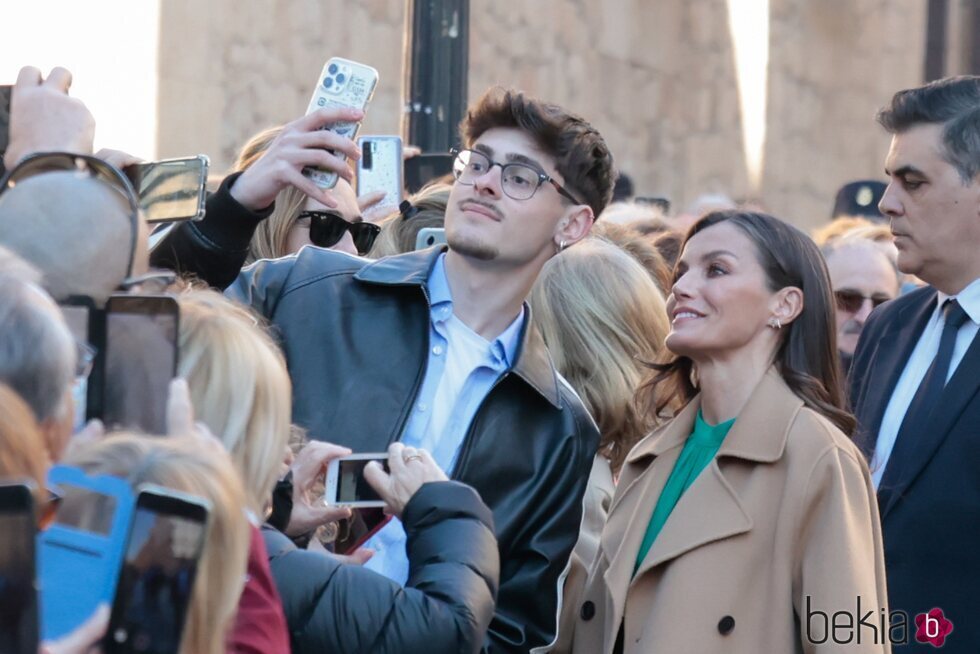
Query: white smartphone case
<point>384,155</point>
<point>342,83</point>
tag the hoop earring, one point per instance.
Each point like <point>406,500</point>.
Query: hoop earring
<point>561,246</point>
<point>775,323</point>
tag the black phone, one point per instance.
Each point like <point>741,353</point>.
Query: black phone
<point>424,168</point>
<point>171,189</point>
<point>140,360</point>
<point>19,623</point>
<point>166,539</point>
<point>80,314</point>
<point>5,92</point>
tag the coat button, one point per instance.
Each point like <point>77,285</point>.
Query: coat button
<point>725,625</point>
<point>588,611</point>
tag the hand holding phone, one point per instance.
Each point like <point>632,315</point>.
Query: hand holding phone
<point>409,469</point>
<point>342,84</point>
<point>299,145</point>
<point>45,118</point>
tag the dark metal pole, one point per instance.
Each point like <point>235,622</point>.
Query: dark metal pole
<point>436,64</point>
<point>937,15</point>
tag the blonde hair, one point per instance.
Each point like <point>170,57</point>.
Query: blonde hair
<point>269,241</point>
<point>640,248</point>
<point>179,464</point>
<point>398,233</point>
<point>22,449</point>
<point>836,228</point>
<point>239,386</point>
<point>602,315</point>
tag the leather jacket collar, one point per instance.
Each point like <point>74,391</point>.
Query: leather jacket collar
<point>533,363</point>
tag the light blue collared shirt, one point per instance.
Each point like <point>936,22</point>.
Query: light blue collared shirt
<point>461,370</point>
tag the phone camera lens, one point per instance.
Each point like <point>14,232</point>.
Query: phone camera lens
<point>332,69</point>
<point>340,78</point>
<point>327,82</point>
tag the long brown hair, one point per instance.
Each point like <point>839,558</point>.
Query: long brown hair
<point>807,354</point>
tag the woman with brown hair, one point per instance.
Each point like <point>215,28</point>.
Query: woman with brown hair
<point>751,508</point>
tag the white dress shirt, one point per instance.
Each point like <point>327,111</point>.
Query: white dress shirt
<point>915,370</point>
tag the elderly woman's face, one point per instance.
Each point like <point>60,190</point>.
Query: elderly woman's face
<point>720,301</point>
<point>299,233</point>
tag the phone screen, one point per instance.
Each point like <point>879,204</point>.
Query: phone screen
<point>157,576</point>
<point>351,484</point>
<point>172,189</point>
<point>140,361</point>
<point>19,623</point>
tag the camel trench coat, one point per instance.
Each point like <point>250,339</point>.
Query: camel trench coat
<point>779,530</point>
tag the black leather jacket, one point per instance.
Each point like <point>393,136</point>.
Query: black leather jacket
<point>355,334</point>
<point>444,608</point>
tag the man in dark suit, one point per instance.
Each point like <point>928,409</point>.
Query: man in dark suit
<point>915,379</point>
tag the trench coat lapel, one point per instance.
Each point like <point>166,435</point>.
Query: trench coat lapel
<point>710,509</point>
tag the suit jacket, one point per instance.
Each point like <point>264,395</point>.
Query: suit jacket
<point>931,518</point>
<point>778,531</point>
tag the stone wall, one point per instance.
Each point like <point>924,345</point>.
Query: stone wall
<point>657,77</point>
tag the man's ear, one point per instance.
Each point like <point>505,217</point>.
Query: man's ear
<point>787,304</point>
<point>575,225</point>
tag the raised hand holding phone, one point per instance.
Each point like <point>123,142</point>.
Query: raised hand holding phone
<point>300,144</point>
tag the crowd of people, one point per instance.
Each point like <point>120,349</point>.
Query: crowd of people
<point>609,428</point>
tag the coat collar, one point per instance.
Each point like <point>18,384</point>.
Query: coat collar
<point>533,363</point>
<point>711,509</point>
<point>771,403</point>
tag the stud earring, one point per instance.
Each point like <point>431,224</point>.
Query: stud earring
<point>561,246</point>
<point>775,323</point>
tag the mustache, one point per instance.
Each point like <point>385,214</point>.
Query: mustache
<point>851,327</point>
<point>486,205</point>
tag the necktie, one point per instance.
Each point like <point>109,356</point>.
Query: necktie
<point>915,425</point>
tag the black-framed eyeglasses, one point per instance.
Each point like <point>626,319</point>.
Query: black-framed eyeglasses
<point>46,162</point>
<point>327,228</point>
<point>155,281</point>
<point>851,301</point>
<point>519,181</point>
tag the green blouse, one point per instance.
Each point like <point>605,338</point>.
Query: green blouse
<point>699,450</point>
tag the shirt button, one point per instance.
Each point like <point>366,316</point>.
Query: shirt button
<point>588,611</point>
<point>423,407</point>
<point>437,350</point>
<point>726,625</point>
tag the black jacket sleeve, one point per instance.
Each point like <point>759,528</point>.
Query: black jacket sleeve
<point>213,249</point>
<point>445,607</point>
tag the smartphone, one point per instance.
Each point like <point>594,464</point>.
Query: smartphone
<point>380,169</point>
<point>79,313</point>
<point>171,189</point>
<point>166,537</point>
<point>19,622</point>
<point>342,83</point>
<point>362,525</point>
<point>5,92</point>
<point>140,361</point>
<point>425,168</point>
<point>429,236</point>
<point>346,486</point>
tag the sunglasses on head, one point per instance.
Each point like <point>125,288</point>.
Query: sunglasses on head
<point>852,301</point>
<point>46,162</point>
<point>327,228</point>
